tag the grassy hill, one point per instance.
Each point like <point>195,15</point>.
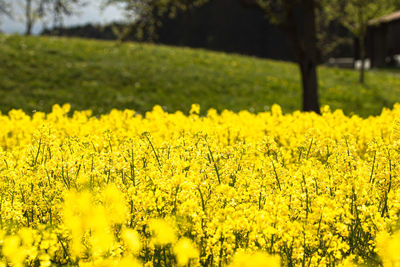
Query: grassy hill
<point>37,72</point>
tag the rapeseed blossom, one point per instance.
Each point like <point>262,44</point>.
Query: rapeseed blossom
<point>185,251</point>
<point>227,189</point>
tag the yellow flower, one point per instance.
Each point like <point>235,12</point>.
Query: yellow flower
<point>395,136</point>
<point>389,247</point>
<point>82,190</point>
<point>184,251</point>
<point>44,260</point>
<point>257,259</point>
<point>195,109</point>
<point>114,204</point>
<point>131,239</point>
<point>12,250</point>
<point>162,232</point>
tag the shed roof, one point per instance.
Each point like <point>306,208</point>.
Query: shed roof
<point>387,18</point>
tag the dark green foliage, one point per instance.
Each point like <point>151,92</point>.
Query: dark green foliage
<point>37,72</point>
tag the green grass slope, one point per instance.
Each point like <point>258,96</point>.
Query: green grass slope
<point>37,72</point>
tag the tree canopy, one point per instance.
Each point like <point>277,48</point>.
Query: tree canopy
<point>35,10</point>
<point>146,14</point>
<point>5,8</point>
<point>357,15</point>
<point>57,9</point>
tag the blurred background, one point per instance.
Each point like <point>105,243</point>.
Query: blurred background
<point>222,54</point>
<point>90,12</point>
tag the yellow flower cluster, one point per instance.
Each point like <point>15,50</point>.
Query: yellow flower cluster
<point>236,189</point>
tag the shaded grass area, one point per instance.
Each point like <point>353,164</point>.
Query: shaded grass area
<point>37,72</point>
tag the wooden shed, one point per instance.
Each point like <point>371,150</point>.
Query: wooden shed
<point>383,40</point>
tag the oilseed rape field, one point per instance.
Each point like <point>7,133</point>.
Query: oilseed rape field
<point>224,189</point>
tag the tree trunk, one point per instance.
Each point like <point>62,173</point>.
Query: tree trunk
<point>308,71</point>
<point>305,50</point>
<point>308,59</point>
<point>362,58</point>
<point>29,18</point>
<point>304,45</point>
